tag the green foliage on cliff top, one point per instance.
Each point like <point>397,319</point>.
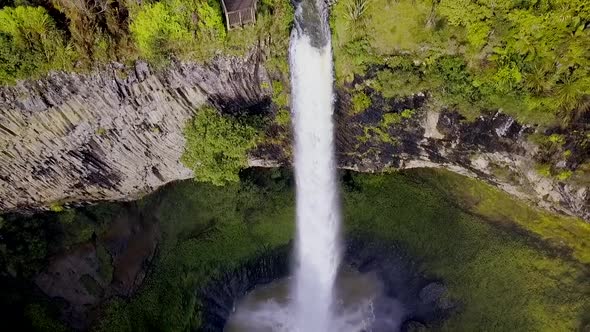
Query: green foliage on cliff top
<point>529,58</point>
<point>169,27</point>
<point>217,146</point>
<point>30,44</point>
<point>91,33</point>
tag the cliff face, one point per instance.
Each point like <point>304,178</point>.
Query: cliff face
<point>493,148</point>
<point>100,136</point>
<point>75,138</point>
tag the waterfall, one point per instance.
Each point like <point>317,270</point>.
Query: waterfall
<point>318,301</point>
<point>318,216</point>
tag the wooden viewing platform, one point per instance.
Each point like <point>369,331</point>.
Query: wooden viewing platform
<point>239,12</point>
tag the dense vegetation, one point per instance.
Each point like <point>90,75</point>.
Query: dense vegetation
<point>217,145</point>
<point>37,36</point>
<point>529,58</point>
<point>513,268</point>
<point>30,43</point>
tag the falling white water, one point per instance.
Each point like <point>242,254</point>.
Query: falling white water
<point>312,304</point>
<point>318,218</point>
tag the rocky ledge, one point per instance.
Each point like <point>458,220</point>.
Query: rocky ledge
<point>117,134</point>
<point>494,148</point>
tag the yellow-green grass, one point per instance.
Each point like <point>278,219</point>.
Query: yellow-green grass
<point>494,205</point>
<point>504,273</point>
<point>503,279</point>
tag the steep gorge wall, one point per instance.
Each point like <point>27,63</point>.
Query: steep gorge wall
<point>72,137</point>
<point>80,138</point>
<point>493,148</point>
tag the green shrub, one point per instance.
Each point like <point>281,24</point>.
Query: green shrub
<point>174,27</point>
<point>100,131</point>
<point>279,94</point>
<point>283,117</point>
<point>398,83</point>
<point>360,102</point>
<point>56,207</point>
<point>557,139</point>
<point>30,44</point>
<point>356,11</point>
<point>407,113</point>
<point>544,169</point>
<point>390,119</point>
<point>159,32</point>
<point>564,175</point>
<point>216,146</point>
<point>98,30</point>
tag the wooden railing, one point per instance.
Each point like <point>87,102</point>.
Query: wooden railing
<point>239,18</point>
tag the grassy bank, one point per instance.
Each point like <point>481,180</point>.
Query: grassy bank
<point>504,279</point>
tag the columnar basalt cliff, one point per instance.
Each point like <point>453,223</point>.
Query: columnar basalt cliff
<point>83,138</point>
<point>70,137</point>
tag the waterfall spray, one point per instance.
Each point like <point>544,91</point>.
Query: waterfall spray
<point>318,217</point>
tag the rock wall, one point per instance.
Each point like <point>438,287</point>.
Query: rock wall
<point>493,148</point>
<point>80,138</point>
<point>112,134</point>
